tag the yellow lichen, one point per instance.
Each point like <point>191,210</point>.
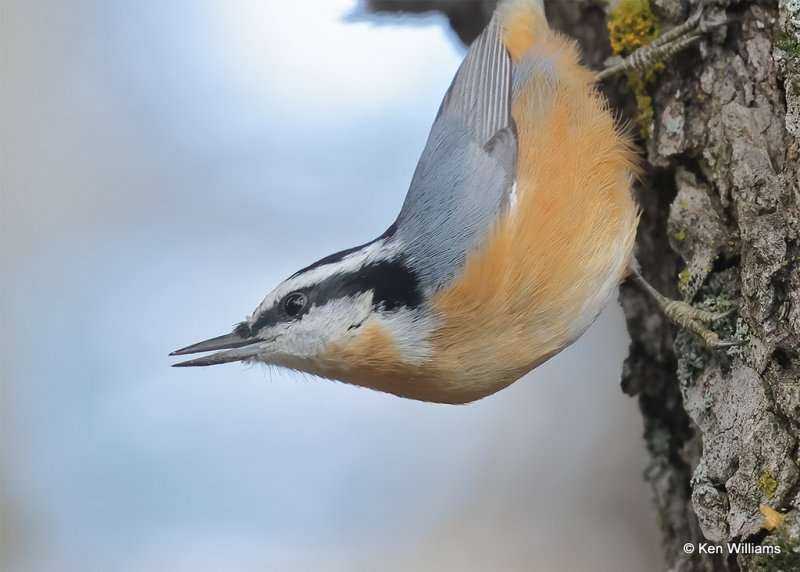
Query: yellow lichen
<point>645,107</point>
<point>632,25</point>
<point>680,235</point>
<point>767,483</point>
<point>683,279</point>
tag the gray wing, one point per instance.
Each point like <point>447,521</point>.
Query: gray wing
<point>467,169</point>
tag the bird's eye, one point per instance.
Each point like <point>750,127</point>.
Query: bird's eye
<point>294,303</point>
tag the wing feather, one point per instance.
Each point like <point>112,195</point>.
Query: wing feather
<point>467,169</point>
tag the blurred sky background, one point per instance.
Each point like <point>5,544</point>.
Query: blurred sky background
<point>162,167</point>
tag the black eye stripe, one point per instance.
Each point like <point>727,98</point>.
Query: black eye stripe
<point>391,282</point>
<point>393,286</point>
<point>268,317</point>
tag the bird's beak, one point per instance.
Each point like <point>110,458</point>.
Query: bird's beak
<point>237,349</point>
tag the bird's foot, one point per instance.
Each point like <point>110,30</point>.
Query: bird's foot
<point>696,321</point>
<point>691,319</point>
<point>663,47</point>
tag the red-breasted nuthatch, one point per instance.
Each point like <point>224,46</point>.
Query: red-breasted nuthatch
<point>517,227</point>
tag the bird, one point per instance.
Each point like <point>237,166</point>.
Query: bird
<point>518,225</point>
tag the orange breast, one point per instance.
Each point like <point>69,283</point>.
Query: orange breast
<point>554,259</point>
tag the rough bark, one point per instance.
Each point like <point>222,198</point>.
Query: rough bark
<point>721,216</point>
<point>723,427</point>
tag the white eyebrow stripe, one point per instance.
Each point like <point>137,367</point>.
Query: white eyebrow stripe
<point>384,249</point>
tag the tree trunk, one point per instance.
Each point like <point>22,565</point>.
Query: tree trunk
<point>720,223</point>
<point>722,427</point>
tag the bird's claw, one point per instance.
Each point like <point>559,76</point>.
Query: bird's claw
<point>663,47</point>
<point>695,321</point>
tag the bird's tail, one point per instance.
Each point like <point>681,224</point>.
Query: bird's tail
<point>523,22</point>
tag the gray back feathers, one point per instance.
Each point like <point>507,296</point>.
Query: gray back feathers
<point>467,169</point>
